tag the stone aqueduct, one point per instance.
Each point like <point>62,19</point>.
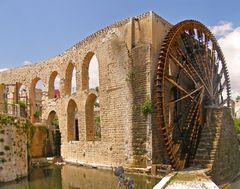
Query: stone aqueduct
<point>127,54</point>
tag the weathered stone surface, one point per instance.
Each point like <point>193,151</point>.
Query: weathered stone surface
<point>227,160</point>
<point>39,141</point>
<point>218,149</point>
<point>195,179</point>
<point>127,52</point>
<point>13,149</point>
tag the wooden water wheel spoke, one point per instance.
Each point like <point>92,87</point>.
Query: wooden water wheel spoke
<point>184,69</point>
<point>177,85</point>
<point>223,102</point>
<point>191,74</point>
<point>193,55</point>
<point>186,96</point>
<point>193,70</point>
<point>221,88</point>
<point>207,67</point>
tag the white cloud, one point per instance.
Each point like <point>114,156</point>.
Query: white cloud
<point>27,62</point>
<point>229,41</point>
<point>3,69</point>
<point>222,28</point>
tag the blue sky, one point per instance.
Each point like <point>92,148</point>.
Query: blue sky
<point>33,30</point>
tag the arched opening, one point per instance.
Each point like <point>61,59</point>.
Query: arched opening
<point>90,72</point>
<point>54,135</point>
<point>2,98</point>
<point>22,99</point>
<point>70,80</point>
<point>36,94</point>
<point>93,122</point>
<point>72,121</point>
<point>54,85</point>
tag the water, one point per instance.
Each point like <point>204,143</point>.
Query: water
<point>234,185</point>
<point>75,177</point>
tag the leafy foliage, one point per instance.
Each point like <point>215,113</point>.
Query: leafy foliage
<point>6,119</point>
<point>38,114</point>
<point>55,122</point>
<point>147,107</point>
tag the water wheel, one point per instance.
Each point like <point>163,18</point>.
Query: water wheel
<point>191,75</point>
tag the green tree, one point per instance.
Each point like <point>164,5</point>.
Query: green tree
<point>238,98</point>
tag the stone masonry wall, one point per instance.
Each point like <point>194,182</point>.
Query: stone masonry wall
<point>13,148</point>
<point>226,164</point>
<point>127,52</point>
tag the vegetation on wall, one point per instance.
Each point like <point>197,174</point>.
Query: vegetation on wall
<point>237,125</point>
<point>33,129</point>
<point>38,114</point>
<point>55,122</point>
<point>130,76</point>
<point>22,104</point>
<point>8,120</point>
<point>147,107</point>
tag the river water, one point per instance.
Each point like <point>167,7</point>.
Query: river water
<point>75,177</point>
<point>234,185</point>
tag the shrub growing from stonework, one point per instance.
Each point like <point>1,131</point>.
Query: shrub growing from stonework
<point>147,107</point>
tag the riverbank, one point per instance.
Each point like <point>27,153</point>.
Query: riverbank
<point>188,179</point>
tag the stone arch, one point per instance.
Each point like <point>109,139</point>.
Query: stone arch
<point>70,76</point>
<point>53,90</point>
<point>72,121</point>
<point>35,98</point>
<point>90,59</point>
<point>54,136</point>
<point>92,114</point>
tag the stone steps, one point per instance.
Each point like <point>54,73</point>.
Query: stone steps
<point>208,145</point>
<point>161,170</point>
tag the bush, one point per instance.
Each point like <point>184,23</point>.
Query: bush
<point>147,107</point>
<point>38,114</point>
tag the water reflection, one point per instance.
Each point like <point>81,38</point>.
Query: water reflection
<point>73,177</point>
<point>234,185</point>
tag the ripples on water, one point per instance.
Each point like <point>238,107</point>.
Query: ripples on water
<point>75,177</point>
